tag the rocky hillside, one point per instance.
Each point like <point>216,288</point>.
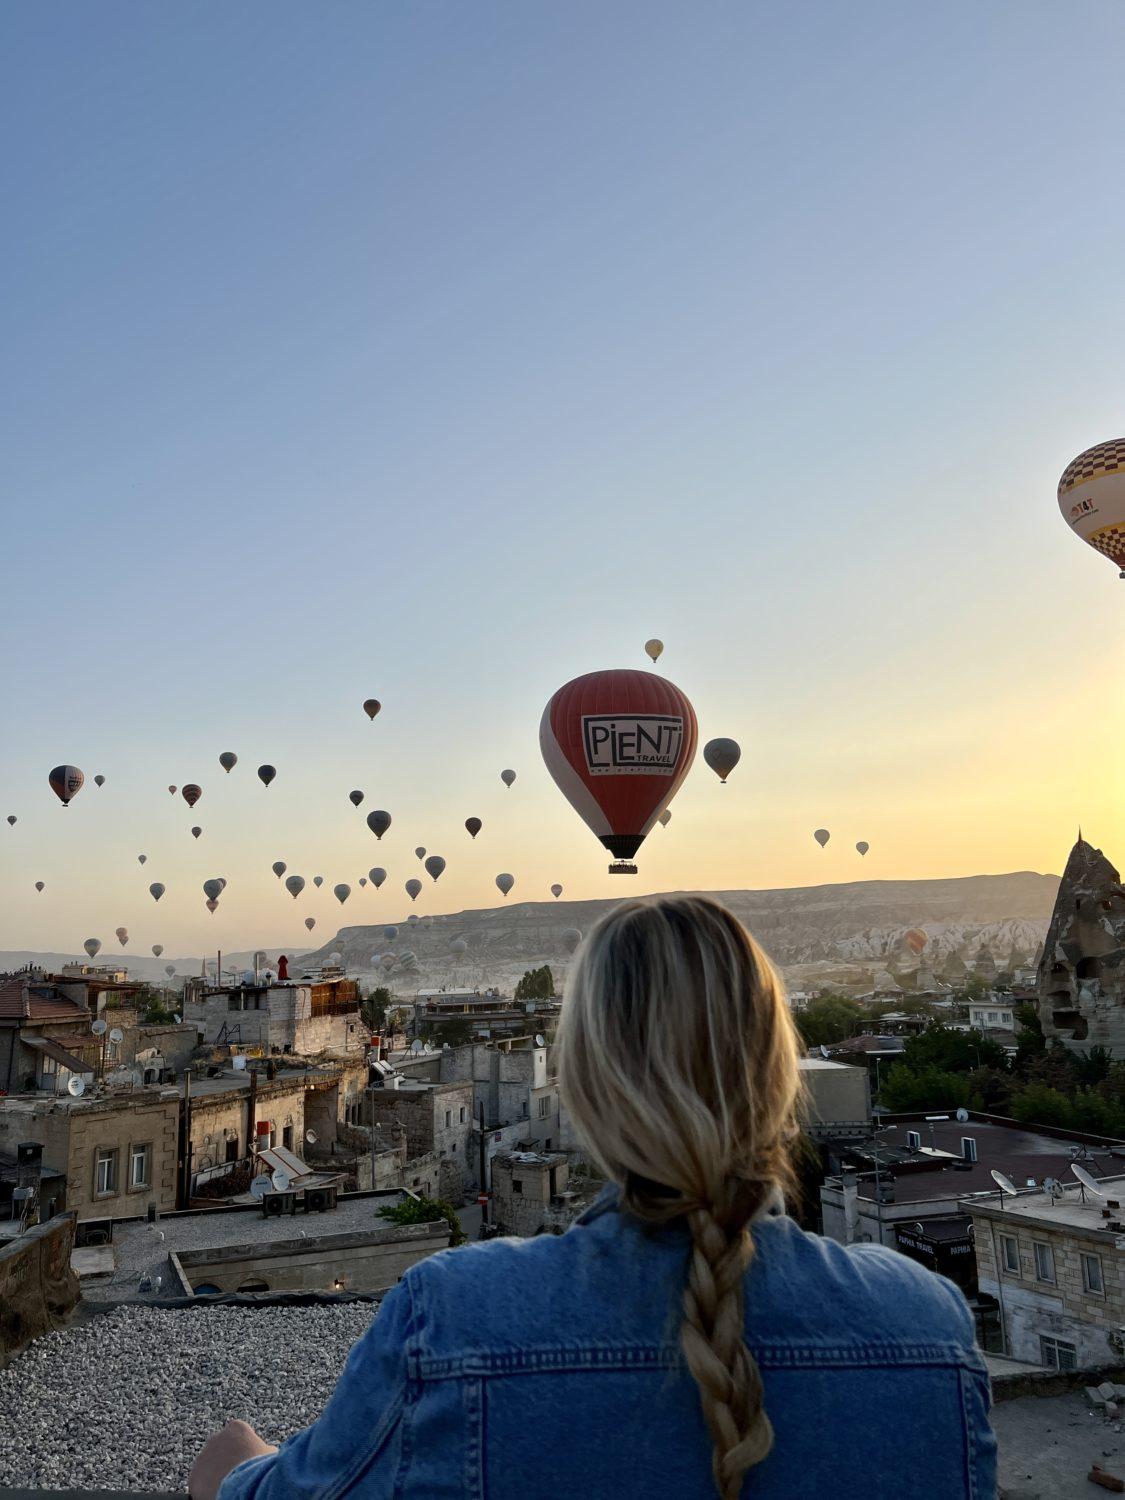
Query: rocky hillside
<point>854,927</point>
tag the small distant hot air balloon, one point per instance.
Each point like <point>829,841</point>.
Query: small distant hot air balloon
<point>474,825</point>
<point>355,798</point>
<point>39,885</point>
<point>420,852</point>
<point>507,777</point>
<point>458,946</point>
<point>618,745</point>
<point>172,789</point>
<point>99,779</point>
<point>378,822</point>
<point>191,794</point>
<point>278,867</point>
<point>318,881</point>
<point>376,876</point>
<point>156,890</point>
<point>341,892</point>
<point>11,820</point>
<point>93,946</point>
<point>556,891</point>
<point>295,885</point>
<point>427,921</point>
<point>665,817</point>
<point>310,923</point>
<point>822,836</point>
<point>916,940</point>
<point>266,774</point>
<point>157,949</point>
<point>169,969</point>
<point>862,847</point>
<point>722,756</point>
<point>504,883</point>
<point>122,935</point>
<point>371,707</point>
<point>434,866</point>
<point>196,831</point>
<point>141,858</point>
<point>412,888</point>
<point>362,881</point>
<point>228,760</point>
<point>412,921</point>
<point>213,889</point>
<point>390,933</point>
<point>212,903</point>
<point>571,939</point>
<point>654,649</point>
<point>66,782</point>
<point>1092,499</point>
<point>388,960</point>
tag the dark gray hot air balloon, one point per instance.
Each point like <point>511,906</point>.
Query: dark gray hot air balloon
<point>556,891</point>
<point>376,875</point>
<point>310,923</point>
<point>412,889</point>
<point>507,777</point>
<point>378,821</point>
<point>156,890</point>
<point>196,831</point>
<point>420,852</point>
<point>141,858</point>
<point>571,939</point>
<point>278,867</point>
<point>355,798</point>
<point>390,933</point>
<point>474,825</point>
<point>99,779</point>
<point>266,774</point>
<point>434,866</point>
<point>722,756</point>
<point>371,707</point>
<point>665,817</point>
<point>318,881</point>
<point>157,949</point>
<point>862,847</point>
<point>66,782</point>
<point>213,889</point>
<point>228,760</point>
<point>93,946</point>
<point>122,935</point>
<point>822,836</point>
<point>191,793</point>
<point>169,969</point>
<point>295,885</point>
<point>40,884</point>
<point>362,881</point>
<point>211,904</point>
<point>11,820</point>
<point>504,883</point>
<point>341,892</point>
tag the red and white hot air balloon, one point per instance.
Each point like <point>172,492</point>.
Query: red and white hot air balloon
<point>619,745</point>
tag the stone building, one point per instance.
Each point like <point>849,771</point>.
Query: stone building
<point>45,1036</point>
<point>530,1193</point>
<point>511,1080</point>
<point>437,1119</point>
<point>1081,978</point>
<point>309,1017</point>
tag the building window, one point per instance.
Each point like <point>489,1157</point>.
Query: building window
<point>448,1118</point>
<point>1056,1354</point>
<point>544,1106</point>
<point>112,1051</point>
<point>287,1137</point>
<point>140,1167</point>
<point>462,1114</point>
<point>105,1171</point>
<point>232,1150</point>
<point>1044,1262</point>
<point>1010,1254</point>
<point>1092,1275</point>
<point>48,1065</point>
<point>517,1187</point>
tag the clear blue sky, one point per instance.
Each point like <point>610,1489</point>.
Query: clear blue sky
<point>441,352</point>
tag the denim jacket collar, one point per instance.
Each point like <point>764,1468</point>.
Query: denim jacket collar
<point>609,1201</point>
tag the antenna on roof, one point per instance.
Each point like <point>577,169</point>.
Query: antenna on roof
<point>1005,1184</point>
<point>1086,1181</point>
<point>76,1086</point>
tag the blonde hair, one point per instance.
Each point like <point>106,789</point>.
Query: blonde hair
<point>678,1065</point>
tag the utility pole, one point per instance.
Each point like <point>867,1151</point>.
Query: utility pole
<point>483,1169</point>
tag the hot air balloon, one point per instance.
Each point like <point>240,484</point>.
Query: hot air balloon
<point>504,883</point>
<point>11,820</point>
<point>378,822</point>
<point>412,888</point>
<point>141,858</point>
<point>157,949</point>
<point>618,745</point>
<point>266,774</point>
<point>334,958</point>
<point>39,885</point>
<point>213,889</point>
<point>390,933</point>
<point>318,881</point>
<point>458,946</point>
<point>571,938</point>
<point>507,777</point>
<point>427,921</point>
<point>556,891</point>
<point>653,649</point>
<point>665,817</point>
<point>169,969</point>
<point>278,867</point>
<point>916,940</point>
<point>722,756</point>
<point>228,760</point>
<point>362,881</point>
<point>191,793</point>
<point>310,923</point>
<point>371,707</point>
<point>99,779</point>
<point>295,885</point>
<point>863,846</point>
<point>156,890</point>
<point>376,876</point>
<point>474,825</point>
<point>1092,499</point>
<point>93,946</point>
<point>822,836</point>
<point>411,921</point>
<point>434,866</point>
<point>212,903</point>
<point>122,935</point>
<point>341,892</point>
<point>388,960</point>
<point>66,782</point>
<point>172,790</point>
<point>420,852</point>
<point>196,831</point>
<point>355,798</point>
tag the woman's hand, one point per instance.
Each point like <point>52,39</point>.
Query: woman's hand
<point>220,1454</point>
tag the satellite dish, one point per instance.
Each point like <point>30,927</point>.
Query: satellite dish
<point>238,1063</point>
<point>823,1050</point>
<point>281,1180</point>
<point>415,1046</point>
<point>1086,1180</point>
<point>1005,1184</point>
<point>962,1115</point>
<point>117,1035</point>
<point>177,1020</point>
<point>310,1136</point>
<point>76,1086</point>
<point>259,1188</point>
<point>540,1039</point>
<point>99,1028</point>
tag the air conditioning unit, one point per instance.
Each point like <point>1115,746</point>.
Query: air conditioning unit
<point>274,1205</point>
<point>914,1140</point>
<point>968,1148</point>
<point>319,1199</point>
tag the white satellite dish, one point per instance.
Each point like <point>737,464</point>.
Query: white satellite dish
<point>76,1086</point>
<point>962,1115</point>
<point>281,1180</point>
<point>238,1062</point>
<point>310,1136</point>
<point>177,1020</point>
<point>259,1187</point>
<point>1086,1180</point>
<point>99,1027</point>
<point>1005,1184</point>
<point>117,1035</point>
<point>415,1046</point>
<point>540,1039</point>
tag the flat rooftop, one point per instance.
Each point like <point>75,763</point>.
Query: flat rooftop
<point>1073,1209</point>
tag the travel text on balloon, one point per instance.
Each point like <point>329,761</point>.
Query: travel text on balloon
<point>637,744</point>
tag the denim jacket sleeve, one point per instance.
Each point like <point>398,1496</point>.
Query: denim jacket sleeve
<point>358,1436</point>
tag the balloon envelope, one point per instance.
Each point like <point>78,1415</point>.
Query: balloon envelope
<point>295,885</point>
<point>653,649</point>
<point>196,831</point>
<point>92,946</point>
<point>99,779</point>
<point>390,933</point>
<point>618,745</point>
<point>722,756</point>
<point>458,946</point>
<point>157,949</point>
<point>371,707</point>
<point>318,881</point>
<point>388,960</point>
<point>504,883</point>
<point>66,782</point>
<point>665,817</point>
<point>863,846</point>
<point>1092,499</point>
<point>507,777</point>
<point>278,868</point>
<point>571,938</point>
<point>376,876</point>
<point>310,923</point>
<point>122,935</point>
<point>212,889</point>
<point>11,820</point>
<point>211,903</point>
<point>341,892</point>
<point>172,789</point>
<point>141,858</point>
<point>556,891</point>
<point>355,798</point>
<point>266,774</point>
<point>420,852</point>
<point>156,890</point>
<point>822,836</point>
<point>434,866</point>
<point>228,760</point>
<point>474,825</point>
<point>39,885</point>
<point>191,793</point>
<point>378,821</point>
<point>916,940</point>
<point>412,889</point>
<point>169,969</point>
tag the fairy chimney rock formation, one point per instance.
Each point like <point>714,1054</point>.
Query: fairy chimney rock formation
<point>1081,977</point>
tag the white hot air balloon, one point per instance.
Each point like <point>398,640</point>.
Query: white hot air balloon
<point>1092,499</point>
<point>504,883</point>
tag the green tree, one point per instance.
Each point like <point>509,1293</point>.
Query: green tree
<point>990,1090</point>
<point>374,1009</point>
<point>536,984</point>
<point>1039,1104</point>
<point>832,1018</point>
<point>426,1211</point>
<point>906,1089</point>
<point>1093,1066</point>
<point>953,1051</point>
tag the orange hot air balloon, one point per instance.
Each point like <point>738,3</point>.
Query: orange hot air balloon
<point>619,745</point>
<point>916,940</point>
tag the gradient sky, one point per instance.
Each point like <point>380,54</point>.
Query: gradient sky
<point>442,352</point>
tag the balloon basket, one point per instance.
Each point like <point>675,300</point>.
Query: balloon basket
<point>622,867</point>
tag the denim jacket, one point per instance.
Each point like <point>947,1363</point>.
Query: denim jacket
<point>551,1367</point>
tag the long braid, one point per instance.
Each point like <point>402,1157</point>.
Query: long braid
<point>714,1345</point>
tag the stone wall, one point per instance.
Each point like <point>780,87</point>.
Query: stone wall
<point>522,1192</point>
<point>38,1290</point>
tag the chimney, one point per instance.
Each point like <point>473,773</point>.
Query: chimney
<point>851,1205</point>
